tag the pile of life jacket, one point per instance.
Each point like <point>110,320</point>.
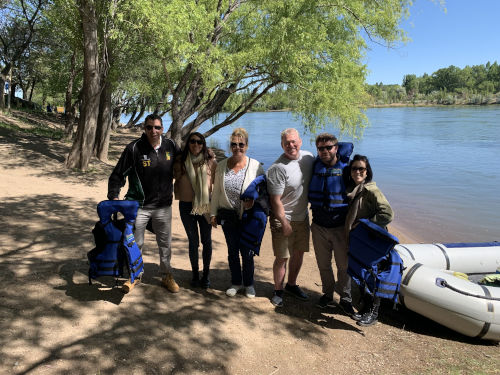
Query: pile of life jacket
<point>115,243</point>
<point>254,220</point>
<point>373,262</point>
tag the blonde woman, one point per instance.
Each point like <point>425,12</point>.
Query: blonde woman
<point>232,177</point>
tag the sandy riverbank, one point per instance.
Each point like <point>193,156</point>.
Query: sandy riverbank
<point>53,322</point>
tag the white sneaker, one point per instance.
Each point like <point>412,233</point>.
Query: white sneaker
<point>231,292</point>
<point>250,291</point>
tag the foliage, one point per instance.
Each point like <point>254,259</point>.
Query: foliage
<point>19,25</point>
<point>475,84</point>
<point>212,50</point>
<point>195,58</point>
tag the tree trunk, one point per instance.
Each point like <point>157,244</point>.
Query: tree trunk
<point>23,85</point>
<point>141,113</point>
<point>9,95</point>
<point>32,87</point>
<point>68,107</point>
<point>117,114</point>
<point>130,121</point>
<point>175,131</point>
<point>3,78</point>
<point>13,88</point>
<point>103,124</point>
<point>81,151</point>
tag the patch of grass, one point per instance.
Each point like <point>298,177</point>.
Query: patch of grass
<point>38,130</point>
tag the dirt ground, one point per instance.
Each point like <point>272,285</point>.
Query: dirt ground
<point>53,322</point>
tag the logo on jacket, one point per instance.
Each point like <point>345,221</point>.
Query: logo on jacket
<point>167,155</point>
<point>145,161</point>
<point>335,172</point>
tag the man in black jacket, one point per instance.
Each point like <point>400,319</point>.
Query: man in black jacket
<point>148,164</point>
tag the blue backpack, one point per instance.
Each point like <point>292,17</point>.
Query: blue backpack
<point>373,262</point>
<point>115,242</point>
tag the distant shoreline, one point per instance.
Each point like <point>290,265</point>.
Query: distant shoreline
<point>398,105</point>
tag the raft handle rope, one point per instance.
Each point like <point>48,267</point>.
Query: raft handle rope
<point>442,283</point>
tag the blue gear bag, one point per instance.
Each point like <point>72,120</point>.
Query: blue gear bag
<point>373,262</point>
<point>115,242</point>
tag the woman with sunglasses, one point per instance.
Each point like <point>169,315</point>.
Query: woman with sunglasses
<point>194,173</point>
<point>232,177</point>
<point>366,201</point>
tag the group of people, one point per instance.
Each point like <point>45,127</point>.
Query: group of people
<point>338,192</point>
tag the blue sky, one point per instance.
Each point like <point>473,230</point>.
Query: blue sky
<point>467,33</point>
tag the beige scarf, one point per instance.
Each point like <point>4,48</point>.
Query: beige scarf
<point>197,172</point>
<point>354,198</point>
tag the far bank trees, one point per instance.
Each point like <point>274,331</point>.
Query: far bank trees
<point>476,84</point>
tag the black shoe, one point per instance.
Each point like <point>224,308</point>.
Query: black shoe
<point>368,319</point>
<point>295,291</point>
<point>347,308</point>
<point>325,301</point>
<point>357,316</point>
<point>195,281</point>
<point>205,282</point>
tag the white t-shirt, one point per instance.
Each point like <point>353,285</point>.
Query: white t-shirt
<point>290,179</point>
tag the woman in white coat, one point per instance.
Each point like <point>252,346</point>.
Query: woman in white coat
<point>232,177</point>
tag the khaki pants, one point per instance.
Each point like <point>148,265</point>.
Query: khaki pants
<point>284,247</point>
<point>328,241</point>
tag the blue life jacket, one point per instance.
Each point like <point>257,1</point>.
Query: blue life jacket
<point>373,262</point>
<point>327,188</point>
<point>254,220</point>
<point>115,242</point>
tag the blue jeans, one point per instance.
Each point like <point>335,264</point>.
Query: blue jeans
<point>191,223</point>
<point>239,275</point>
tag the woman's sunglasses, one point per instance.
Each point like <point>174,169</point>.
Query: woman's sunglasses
<point>359,169</point>
<point>240,145</point>
<point>193,141</point>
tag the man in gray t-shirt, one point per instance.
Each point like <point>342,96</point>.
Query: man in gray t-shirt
<point>287,184</point>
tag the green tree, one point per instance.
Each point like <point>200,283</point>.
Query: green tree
<point>447,79</point>
<point>193,58</point>
<point>410,83</point>
<point>19,21</point>
<point>212,50</point>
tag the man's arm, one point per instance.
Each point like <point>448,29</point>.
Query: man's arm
<point>279,213</point>
<point>118,176</point>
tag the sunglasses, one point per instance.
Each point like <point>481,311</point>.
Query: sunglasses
<point>360,169</point>
<point>193,141</point>
<point>328,148</point>
<point>150,127</point>
<point>240,145</point>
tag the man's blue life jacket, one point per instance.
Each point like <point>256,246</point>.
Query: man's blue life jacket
<point>327,189</point>
<point>373,262</point>
<point>254,220</point>
<point>115,242</point>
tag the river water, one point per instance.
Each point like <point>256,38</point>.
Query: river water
<point>439,167</point>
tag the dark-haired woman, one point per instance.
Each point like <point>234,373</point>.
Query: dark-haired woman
<point>366,201</point>
<point>194,173</point>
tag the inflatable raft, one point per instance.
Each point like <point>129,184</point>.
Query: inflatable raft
<point>434,285</point>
